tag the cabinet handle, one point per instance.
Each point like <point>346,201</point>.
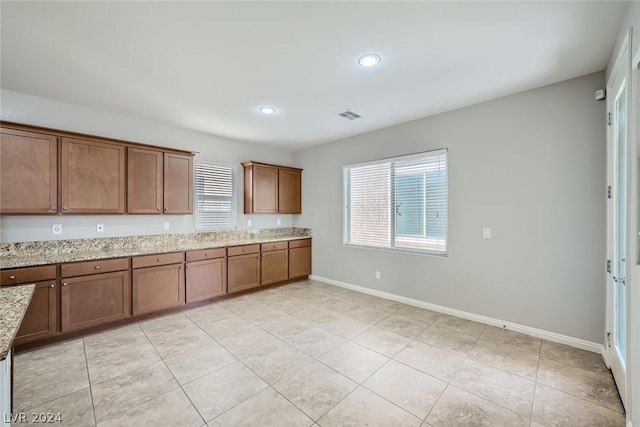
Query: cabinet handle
<point>53,208</point>
<point>12,277</point>
<point>64,283</point>
<point>180,268</point>
<point>158,209</point>
<point>206,254</point>
<point>64,208</point>
<point>97,267</point>
<point>244,250</point>
<point>159,259</point>
<point>166,209</point>
<point>52,285</point>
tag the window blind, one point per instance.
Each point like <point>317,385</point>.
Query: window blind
<point>216,204</point>
<point>398,203</point>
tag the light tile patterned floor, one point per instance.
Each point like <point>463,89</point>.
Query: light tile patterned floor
<point>309,354</point>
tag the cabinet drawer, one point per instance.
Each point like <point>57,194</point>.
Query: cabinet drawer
<point>157,259</point>
<point>27,274</point>
<point>205,254</point>
<point>273,246</point>
<point>299,243</point>
<point>243,250</point>
<point>94,267</point>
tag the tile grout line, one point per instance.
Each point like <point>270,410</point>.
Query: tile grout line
<point>93,406</point>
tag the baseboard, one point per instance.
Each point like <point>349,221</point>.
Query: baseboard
<point>629,424</point>
<point>534,332</point>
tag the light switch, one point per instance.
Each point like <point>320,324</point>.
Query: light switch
<point>248,223</point>
<point>486,233</point>
<point>278,221</point>
<point>167,226</point>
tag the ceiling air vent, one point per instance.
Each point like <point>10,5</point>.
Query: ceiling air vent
<point>349,115</point>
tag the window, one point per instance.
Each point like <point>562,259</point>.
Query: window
<point>398,203</point>
<point>215,197</point>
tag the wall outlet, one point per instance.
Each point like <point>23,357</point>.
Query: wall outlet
<point>166,226</point>
<point>248,223</point>
<point>377,275</point>
<point>278,221</point>
<point>486,233</point>
<point>100,228</point>
<point>56,229</point>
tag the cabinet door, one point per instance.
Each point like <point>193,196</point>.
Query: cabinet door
<point>157,288</point>
<point>206,279</point>
<point>92,177</point>
<point>93,300</point>
<point>243,271</point>
<point>144,181</point>
<point>275,266</point>
<point>178,184</point>
<point>28,172</point>
<point>40,319</point>
<point>289,191</point>
<point>265,189</point>
<point>299,262</point>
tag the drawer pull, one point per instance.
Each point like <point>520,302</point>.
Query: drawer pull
<point>64,284</point>
<point>244,250</point>
<point>206,254</point>
<point>52,285</point>
<point>12,277</point>
<point>97,267</point>
<point>159,259</point>
<point>180,268</point>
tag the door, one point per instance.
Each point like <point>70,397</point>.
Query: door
<point>144,181</point>
<point>92,177</point>
<point>158,288</point>
<point>206,279</point>
<point>40,319</point>
<point>617,139</point>
<point>178,184</point>
<point>265,189</point>
<point>28,172</point>
<point>275,266</point>
<point>243,272</point>
<point>289,191</point>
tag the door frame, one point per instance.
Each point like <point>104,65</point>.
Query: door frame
<point>622,64</point>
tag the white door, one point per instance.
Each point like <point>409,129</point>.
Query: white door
<point>617,158</point>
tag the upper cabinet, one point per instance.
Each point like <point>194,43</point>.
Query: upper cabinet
<point>28,172</point>
<point>92,177</point>
<point>144,181</point>
<point>272,188</point>
<point>178,184</point>
<point>46,171</point>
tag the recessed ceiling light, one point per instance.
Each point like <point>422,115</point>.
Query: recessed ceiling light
<point>267,110</point>
<point>369,60</point>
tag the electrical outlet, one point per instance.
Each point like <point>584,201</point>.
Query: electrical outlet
<point>100,228</point>
<point>56,229</point>
<point>486,233</point>
<point>248,223</point>
<point>167,226</point>
<point>278,221</point>
<point>377,275</point>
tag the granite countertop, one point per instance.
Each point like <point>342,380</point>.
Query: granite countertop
<point>44,253</point>
<point>14,301</point>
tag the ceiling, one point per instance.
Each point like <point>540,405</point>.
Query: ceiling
<point>209,66</point>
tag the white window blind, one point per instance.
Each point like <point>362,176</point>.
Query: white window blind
<point>398,203</point>
<point>215,197</point>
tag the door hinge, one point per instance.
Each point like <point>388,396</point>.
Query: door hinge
<point>608,192</point>
<point>608,266</point>
<point>609,339</point>
<point>608,119</point>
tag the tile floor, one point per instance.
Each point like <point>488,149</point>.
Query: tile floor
<point>310,354</point>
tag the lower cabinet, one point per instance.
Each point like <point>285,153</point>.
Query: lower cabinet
<point>92,300</point>
<point>243,272</point>
<point>206,279</point>
<point>275,262</point>
<point>40,319</point>
<point>157,288</point>
<point>299,262</point>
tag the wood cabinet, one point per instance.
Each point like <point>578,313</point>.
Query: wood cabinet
<point>93,300</point>
<point>28,172</point>
<point>41,318</point>
<point>160,287</point>
<point>178,184</point>
<point>272,188</point>
<point>206,279</point>
<point>299,258</point>
<point>243,267</point>
<point>274,262</point>
<point>92,177</point>
<point>145,194</point>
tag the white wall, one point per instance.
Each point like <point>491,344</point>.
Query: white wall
<point>532,167</point>
<point>21,108</point>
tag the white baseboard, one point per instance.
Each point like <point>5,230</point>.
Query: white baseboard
<point>534,332</point>
<point>629,424</point>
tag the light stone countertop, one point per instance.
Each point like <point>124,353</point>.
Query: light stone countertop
<point>45,253</point>
<point>14,301</point>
